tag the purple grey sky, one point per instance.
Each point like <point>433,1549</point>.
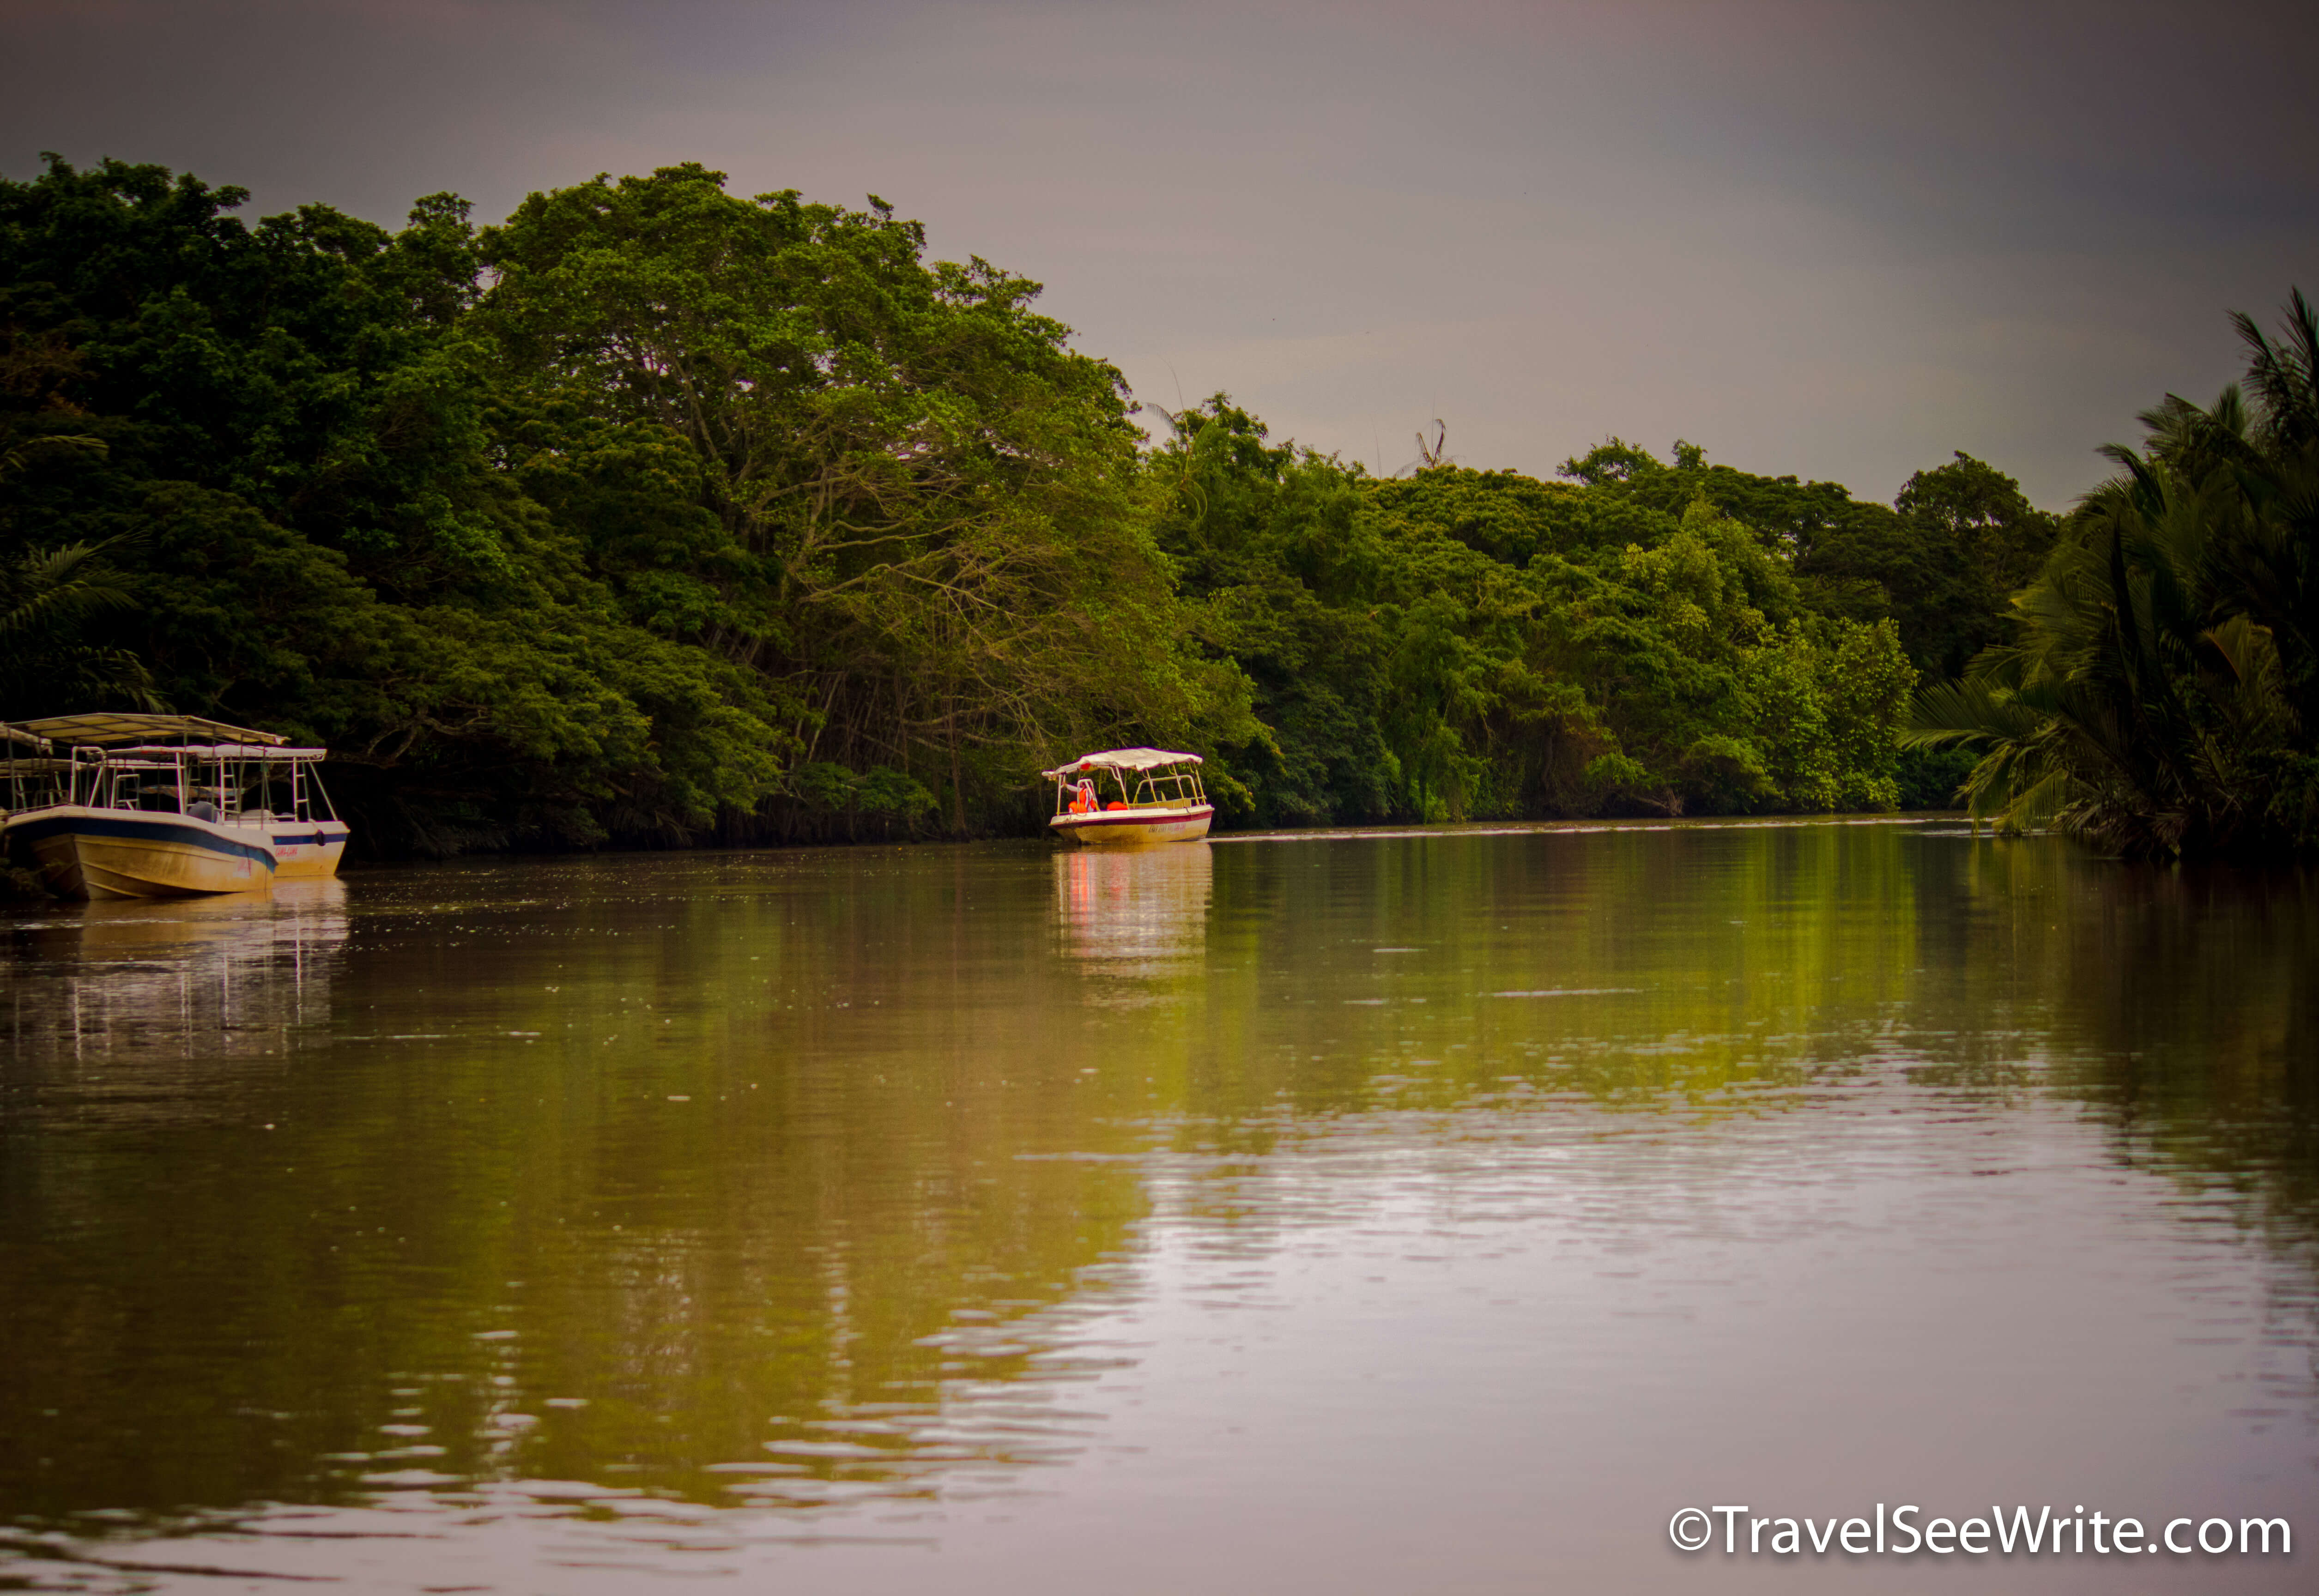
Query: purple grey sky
<point>1834,238</point>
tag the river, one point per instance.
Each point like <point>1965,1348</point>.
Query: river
<point>1435,1211</point>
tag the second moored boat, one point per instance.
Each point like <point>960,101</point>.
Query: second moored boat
<point>115,806</point>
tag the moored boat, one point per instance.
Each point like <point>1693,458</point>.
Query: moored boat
<point>1130,797</point>
<point>113,805</point>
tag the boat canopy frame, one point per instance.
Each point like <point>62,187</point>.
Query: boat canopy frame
<point>97,757</point>
<point>1145,777</point>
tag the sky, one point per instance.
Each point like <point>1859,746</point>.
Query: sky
<point>1835,237</point>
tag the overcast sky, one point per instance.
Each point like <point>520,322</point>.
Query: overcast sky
<point>1836,239</point>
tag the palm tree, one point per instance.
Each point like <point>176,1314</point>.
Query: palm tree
<point>2159,695</point>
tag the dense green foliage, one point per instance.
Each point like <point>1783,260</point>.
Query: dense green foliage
<point>657,513</point>
<point>2159,693</point>
<point>1464,643</point>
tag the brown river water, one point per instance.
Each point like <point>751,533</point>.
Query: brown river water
<point>1437,1210</point>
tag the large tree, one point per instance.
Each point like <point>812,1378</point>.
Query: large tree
<point>919,504</point>
<point>302,496</point>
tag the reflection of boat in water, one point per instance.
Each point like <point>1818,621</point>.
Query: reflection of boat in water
<point>1129,797</point>
<point>1135,912</point>
<point>166,806</point>
<point>295,914</point>
<point>215,977</point>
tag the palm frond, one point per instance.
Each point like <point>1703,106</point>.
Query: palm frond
<point>1966,713</point>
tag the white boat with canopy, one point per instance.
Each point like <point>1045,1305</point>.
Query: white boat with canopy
<point>115,806</point>
<point>1127,797</point>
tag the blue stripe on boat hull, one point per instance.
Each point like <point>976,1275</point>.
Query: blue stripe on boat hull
<point>144,828</point>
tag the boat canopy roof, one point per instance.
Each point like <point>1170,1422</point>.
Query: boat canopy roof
<point>108,729</point>
<point>23,739</point>
<point>1123,759</point>
<point>171,752</point>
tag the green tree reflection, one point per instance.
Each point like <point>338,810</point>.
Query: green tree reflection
<point>784,1179</point>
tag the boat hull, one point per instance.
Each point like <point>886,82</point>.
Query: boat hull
<point>308,851</point>
<point>115,853</point>
<point>1135,828</point>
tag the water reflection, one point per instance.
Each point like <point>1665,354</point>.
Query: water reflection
<point>2181,1007</point>
<point>704,1194</point>
<point>125,983</point>
<point>1135,912</point>
<point>851,1188</point>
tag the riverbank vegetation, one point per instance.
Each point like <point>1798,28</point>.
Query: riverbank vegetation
<point>656,514</point>
<point>2157,692</point>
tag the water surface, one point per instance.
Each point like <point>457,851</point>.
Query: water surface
<point>1344,1215</point>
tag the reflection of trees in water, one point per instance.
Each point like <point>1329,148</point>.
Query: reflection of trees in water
<point>2181,1006</point>
<point>1714,973</point>
<point>780,1197</point>
<point>1644,968</point>
<point>798,1179</point>
<point>1377,983</point>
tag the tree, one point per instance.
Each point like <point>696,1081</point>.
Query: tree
<point>2157,694</point>
<point>301,497</point>
<point>1460,643</point>
<point>656,513</point>
<point>1980,540</point>
<point>918,506</point>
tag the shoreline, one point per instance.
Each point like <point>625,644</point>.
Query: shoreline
<point>1382,832</point>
